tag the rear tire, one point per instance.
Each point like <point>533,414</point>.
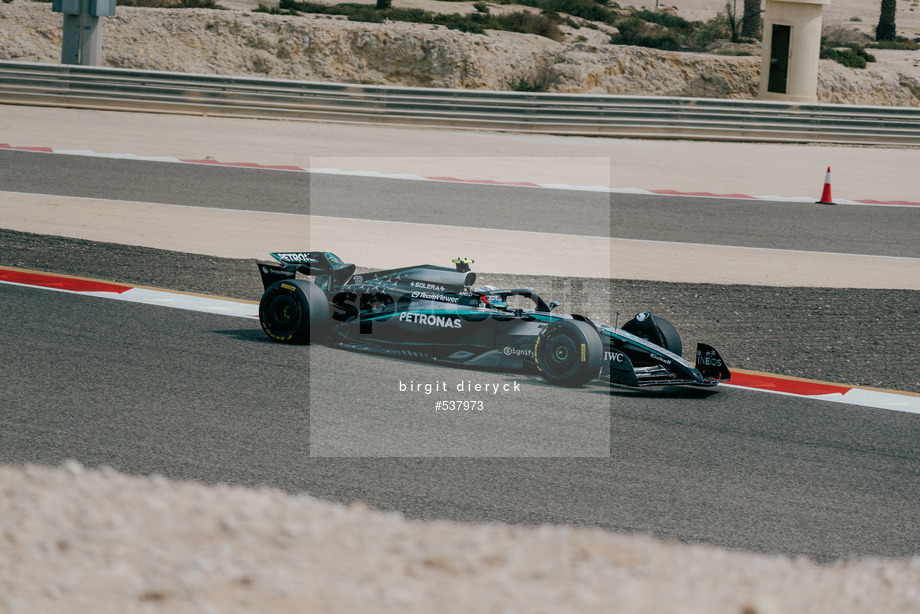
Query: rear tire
<point>294,311</point>
<point>568,353</point>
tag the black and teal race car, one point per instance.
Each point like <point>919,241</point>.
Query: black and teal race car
<point>438,314</point>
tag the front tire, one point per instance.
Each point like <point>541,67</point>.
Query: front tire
<point>670,336</point>
<point>568,353</point>
<point>294,311</point>
<point>657,330</point>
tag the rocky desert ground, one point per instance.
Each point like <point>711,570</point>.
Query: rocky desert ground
<point>331,48</point>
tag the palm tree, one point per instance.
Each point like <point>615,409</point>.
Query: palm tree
<point>751,23</point>
<point>886,30</point>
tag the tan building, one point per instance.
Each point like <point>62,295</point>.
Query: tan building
<point>791,48</point>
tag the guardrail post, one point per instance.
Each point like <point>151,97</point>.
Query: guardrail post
<point>81,42</point>
<point>91,39</point>
<point>70,41</point>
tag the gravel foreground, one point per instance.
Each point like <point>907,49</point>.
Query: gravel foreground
<point>78,540</point>
<point>846,336</point>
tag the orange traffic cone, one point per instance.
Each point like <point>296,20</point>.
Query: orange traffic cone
<point>826,194</point>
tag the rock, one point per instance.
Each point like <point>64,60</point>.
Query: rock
<point>876,85</point>
<point>638,71</point>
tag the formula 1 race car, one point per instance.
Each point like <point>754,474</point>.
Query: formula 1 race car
<point>436,314</point>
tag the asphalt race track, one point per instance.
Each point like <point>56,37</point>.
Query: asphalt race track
<point>146,390</point>
<point>194,396</point>
<point>883,231</point>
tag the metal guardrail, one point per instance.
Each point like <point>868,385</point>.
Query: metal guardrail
<point>562,114</point>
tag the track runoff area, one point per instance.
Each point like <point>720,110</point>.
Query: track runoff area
<point>765,382</point>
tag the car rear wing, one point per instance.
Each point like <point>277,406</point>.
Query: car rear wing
<point>331,273</point>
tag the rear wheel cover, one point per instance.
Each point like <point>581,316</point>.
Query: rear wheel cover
<point>293,311</point>
<point>283,313</point>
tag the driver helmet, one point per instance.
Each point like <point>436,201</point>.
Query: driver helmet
<point>488,299</point>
